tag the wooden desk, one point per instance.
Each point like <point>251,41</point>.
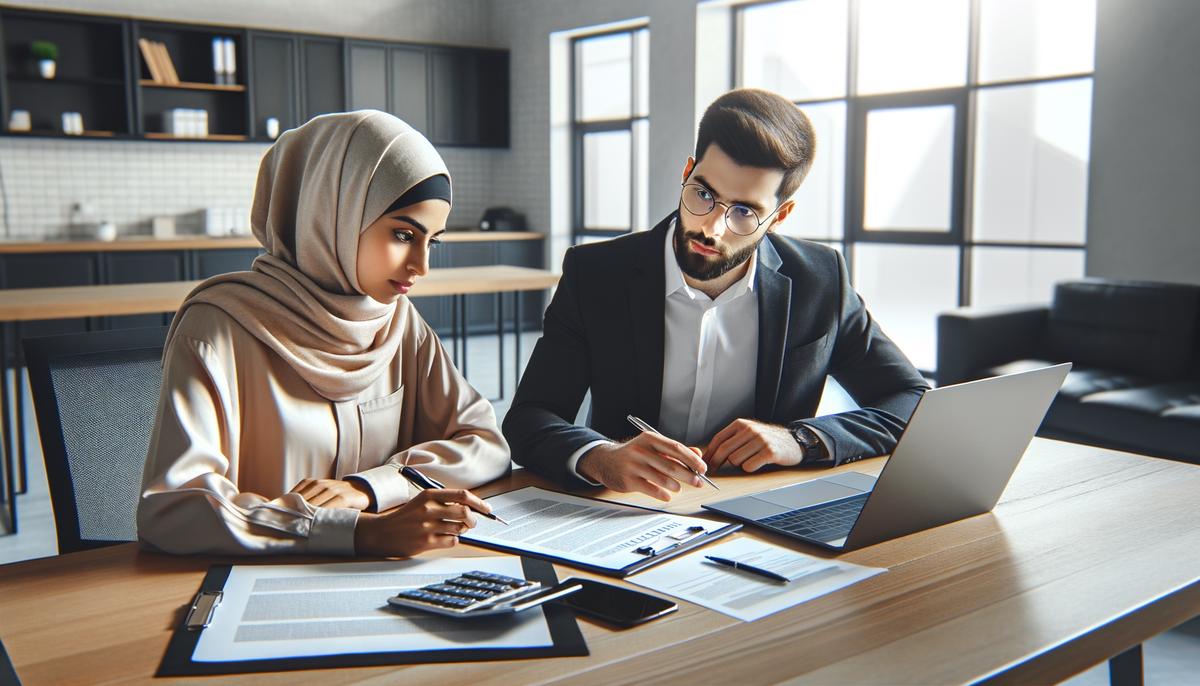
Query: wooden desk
<point>1089,553</point>
<point>26,304</point>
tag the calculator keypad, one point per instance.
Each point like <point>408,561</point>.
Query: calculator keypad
<point>467,592</point>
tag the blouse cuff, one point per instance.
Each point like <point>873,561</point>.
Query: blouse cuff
<point>390,489</point>
<point>332,531</point>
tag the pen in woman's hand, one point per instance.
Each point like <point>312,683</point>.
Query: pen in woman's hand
<point>643,426</point>
<point>426,482</point>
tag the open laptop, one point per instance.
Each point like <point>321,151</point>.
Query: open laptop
<point>954,459</point>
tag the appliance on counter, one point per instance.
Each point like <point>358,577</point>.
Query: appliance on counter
<point>502,219</point>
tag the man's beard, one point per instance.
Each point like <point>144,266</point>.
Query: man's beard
<point>706,269</point>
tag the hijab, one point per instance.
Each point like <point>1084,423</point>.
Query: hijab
<point>319,186</point>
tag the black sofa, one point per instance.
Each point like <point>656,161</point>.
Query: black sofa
<point>1135,345</point>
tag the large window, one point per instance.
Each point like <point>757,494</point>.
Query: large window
<point>953,139</point>
<point>610,123</point>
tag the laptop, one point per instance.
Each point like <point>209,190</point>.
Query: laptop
<point>955,458</point>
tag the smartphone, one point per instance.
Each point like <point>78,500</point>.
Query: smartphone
<point>615,605</point>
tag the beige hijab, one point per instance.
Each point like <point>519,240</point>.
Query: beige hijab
<point>319,186</point>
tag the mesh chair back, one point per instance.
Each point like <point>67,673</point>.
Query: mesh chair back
<point>96,396</point>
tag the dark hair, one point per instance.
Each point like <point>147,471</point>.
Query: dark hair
<point>758,128</point>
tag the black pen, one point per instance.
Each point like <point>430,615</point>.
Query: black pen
<point>426,482</point>
<point>649,429</point>
<point>749,568</point>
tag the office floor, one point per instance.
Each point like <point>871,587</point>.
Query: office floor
<point>1170,659</point>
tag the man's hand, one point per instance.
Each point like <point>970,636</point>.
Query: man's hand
<point>334,493</point>
<point>751,446</point>
<point>647,463</point>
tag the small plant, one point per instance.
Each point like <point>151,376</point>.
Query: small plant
<point>44,50</point>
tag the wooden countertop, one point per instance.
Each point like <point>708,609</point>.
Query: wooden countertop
<point>144,243</point>
<point>27,304</point>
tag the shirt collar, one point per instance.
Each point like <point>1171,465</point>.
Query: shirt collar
<point>674,275</point>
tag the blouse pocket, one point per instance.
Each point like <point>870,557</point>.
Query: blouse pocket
<point>380,419</point>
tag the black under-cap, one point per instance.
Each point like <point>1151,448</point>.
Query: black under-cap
<point>434,188</point>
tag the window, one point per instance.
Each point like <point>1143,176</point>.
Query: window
<point>610,126</point>
<point>953,137</point>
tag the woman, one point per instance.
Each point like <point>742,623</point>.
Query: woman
<point>293,393</point>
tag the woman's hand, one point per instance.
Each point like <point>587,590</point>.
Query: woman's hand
<point>433,519</point>
<point>333,493</point>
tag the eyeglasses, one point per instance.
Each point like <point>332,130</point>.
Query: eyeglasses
<point>739,219</point>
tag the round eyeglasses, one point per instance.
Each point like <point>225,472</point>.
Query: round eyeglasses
<point>739,219</point>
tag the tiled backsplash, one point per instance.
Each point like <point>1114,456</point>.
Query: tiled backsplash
<point>128,182</point>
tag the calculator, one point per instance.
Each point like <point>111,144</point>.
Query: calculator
<point>480,594</point>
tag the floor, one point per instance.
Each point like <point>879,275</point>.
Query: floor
<point>1171,658</point>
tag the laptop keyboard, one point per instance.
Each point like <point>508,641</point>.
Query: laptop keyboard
<point>824,522</point>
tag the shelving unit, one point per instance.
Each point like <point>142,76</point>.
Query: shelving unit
<point>456,96</point>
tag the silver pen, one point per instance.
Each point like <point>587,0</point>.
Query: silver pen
<point>649,429</point>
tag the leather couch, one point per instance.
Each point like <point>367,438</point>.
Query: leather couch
<point>1135,345</point>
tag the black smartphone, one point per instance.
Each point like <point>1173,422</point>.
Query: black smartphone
<point>616,605</point>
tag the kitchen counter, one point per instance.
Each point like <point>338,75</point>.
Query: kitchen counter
<point>145,243</point>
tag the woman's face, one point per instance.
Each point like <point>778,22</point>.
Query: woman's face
<point>394,250</point>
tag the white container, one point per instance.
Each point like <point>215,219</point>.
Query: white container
<point>163,226</point>
<point>272,128</point>
<point>47,68</point>
<point>106,231</point>
<point>19,120</point>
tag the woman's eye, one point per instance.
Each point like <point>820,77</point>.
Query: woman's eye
<point>434,242</point>
<point>403,236</point>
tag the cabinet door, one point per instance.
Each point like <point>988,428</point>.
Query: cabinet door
<point>454,86</point>
<point>481,309</point>
<point>273,70</point>
<point>46,270</point>
<point>140,267</point>
<point>493,114</point>
<point>368,76</point>
<point>408,93</point>
<point>206,263</point>
<point>323,81</point>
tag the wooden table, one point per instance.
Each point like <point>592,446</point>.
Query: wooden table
<point>1089,553</point>
<point>26,304</point>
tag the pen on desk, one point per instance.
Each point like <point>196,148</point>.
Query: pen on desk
<point>749,568</point>
<point>647,428</point>
<point>427,482</point>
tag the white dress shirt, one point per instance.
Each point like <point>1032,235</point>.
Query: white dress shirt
<point>710,357</point>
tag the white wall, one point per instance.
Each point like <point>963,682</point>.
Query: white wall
<point>1144,192</point>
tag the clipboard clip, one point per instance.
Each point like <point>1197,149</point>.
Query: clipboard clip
<point>676,540</point>
<point>200,614</point>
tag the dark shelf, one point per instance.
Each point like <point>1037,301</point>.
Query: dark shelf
<point>65,80</point>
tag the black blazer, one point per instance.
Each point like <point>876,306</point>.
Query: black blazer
<point>604,330</point>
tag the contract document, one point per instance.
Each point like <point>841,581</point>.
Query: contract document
<point>609,538</point>
<point>288,611</point>
<point>745,595</point>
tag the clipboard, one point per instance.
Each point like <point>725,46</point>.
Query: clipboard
<point>651,555</point>
<point>177,661</point>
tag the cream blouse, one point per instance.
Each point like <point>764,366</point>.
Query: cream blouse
<point>237,428</point>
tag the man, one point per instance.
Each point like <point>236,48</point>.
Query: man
<point>711,328</point>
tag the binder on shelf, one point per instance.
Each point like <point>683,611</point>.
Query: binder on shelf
<point>230,61</point>
<point>151,60</point>
<point>168,67</point>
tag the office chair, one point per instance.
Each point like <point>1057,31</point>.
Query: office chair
<point>95,395</point>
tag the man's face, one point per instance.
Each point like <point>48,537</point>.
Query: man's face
<point>705,248</point>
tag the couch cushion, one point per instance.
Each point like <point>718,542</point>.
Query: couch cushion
<point>1131,326</point>
<point>1160,419</point>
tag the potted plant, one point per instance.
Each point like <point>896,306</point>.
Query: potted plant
<point>45,53</point>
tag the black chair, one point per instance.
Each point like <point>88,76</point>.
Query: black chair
<point>95,395</point>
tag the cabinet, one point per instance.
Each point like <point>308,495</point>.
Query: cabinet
<point>274,83</point>
<point>46,270</point>
<point>139,267</point>
<point>322,76</point>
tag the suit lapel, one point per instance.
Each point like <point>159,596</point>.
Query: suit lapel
<point>645,287</point>
<point>774,305</point>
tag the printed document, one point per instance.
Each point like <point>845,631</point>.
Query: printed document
<point>282,611</point>
<point>745,595</point>
<point>579,530</point>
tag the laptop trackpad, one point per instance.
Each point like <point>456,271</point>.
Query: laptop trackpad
<point>807,493</point>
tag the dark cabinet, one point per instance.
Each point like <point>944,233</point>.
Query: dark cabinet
<point>46,270</point>
<point>367,74</point>
<point>274,81</point>
<point>469,96</point>
<point>408,92</point>
<point>206,263</point>
<point>323,79</point>
<point>140,267</point>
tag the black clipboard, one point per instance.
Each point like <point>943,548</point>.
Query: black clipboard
<point>564,632</point>
<point>649,560</point>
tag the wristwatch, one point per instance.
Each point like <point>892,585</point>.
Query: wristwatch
<point>809,442</point>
